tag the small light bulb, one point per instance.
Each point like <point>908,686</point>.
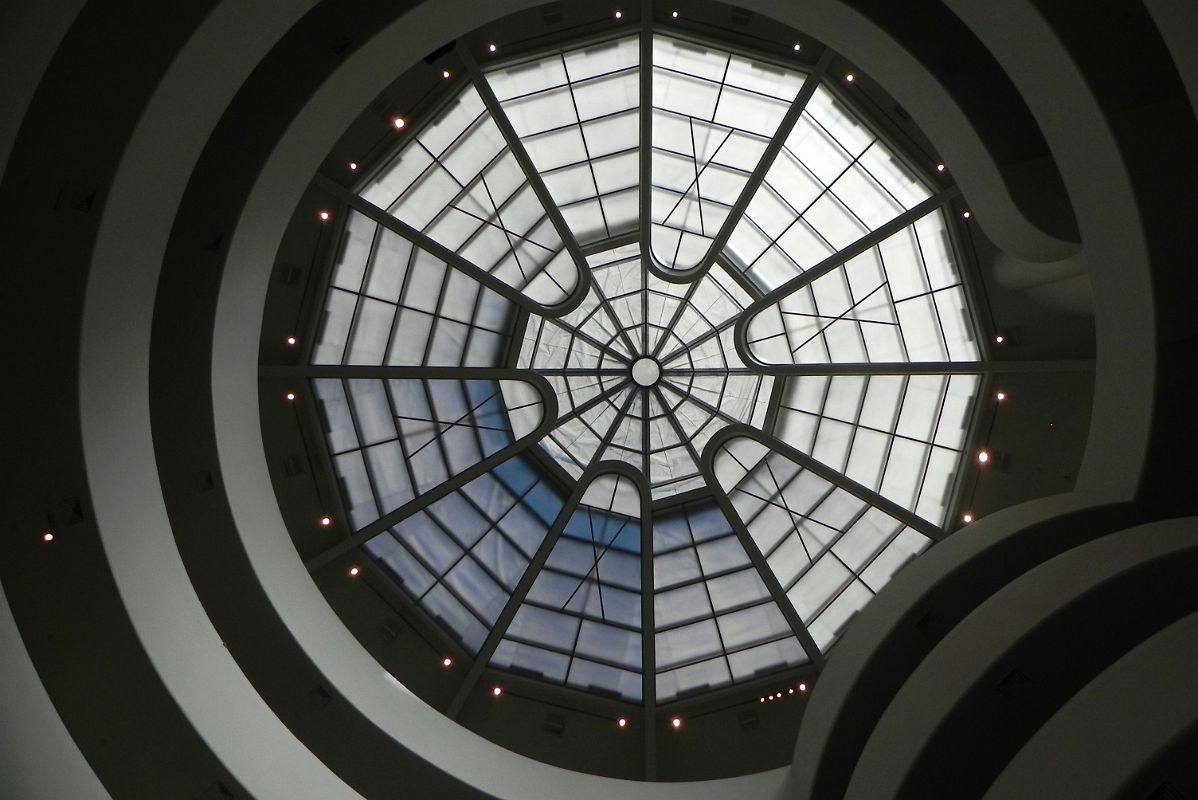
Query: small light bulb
<point>676,722</point>
<point>400,123</point>
<point>291,341</point>
<point>983,456</point>
<point>353,572</point>
<point>790,691</point>
<point>48,536</point>
<point>967,215</point>
<point>940,167</point>
<point>447,662</point>
<point>674,15</point>
<point>850,77</point>
<point>619,15</point>
<point>798,47</point>
<point>967,518</point>
<point>326,521</point>
<point>290,396</point>
<point>497,691</point>
<point>353,166</point>
<point>445,74</point>
<point>999,339</point>
<point>760,699</point>
<point>803,686</point>
<point>492,47</point>
<point>1000,396</point>
<point>324,216</point>
<point>621,722</point>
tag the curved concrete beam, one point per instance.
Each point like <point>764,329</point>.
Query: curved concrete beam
<point>888,639</point>
<point>1094,599</point>
<point>973,167</point>
<point>1147,696</point>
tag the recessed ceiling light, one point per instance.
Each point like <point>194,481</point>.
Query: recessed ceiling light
<point>492,47</point>
<point>983,457</point>
<point>353,572</point>
<point>290,396</point>
<point>999,339</point>
<point>967,215</point>
<point>1000,396</point>
<point>447,662</point>
<point>940,167</point>
<point>324,216</point>
<point>291,340</point>
<point>803,686</point>
<point>619,15</point>
<point>353,166</point>
<point>674,15</point>
<point>622,722</point>
<point>445,73</point>
<point>48,536</point>
<point>326,521</point>
<point>399,123</point>
<point>850,77</point>
<point>798,47</point>
<point>498,690</point>
<point>676,722</point>
<point>967,518</point>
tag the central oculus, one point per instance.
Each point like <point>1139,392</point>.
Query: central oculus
<point>646,372</point>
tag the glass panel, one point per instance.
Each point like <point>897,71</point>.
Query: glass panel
<point>460,558</point>
<point>456,181</point>
<point>820,541</point>
<point>833,182</point>
<point>585,605</point>
<point>716,622</point>
<point>713,115</point>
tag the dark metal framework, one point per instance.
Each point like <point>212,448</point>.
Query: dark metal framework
<point>482,335</point>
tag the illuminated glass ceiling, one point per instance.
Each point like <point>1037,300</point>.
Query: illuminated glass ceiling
<point>645,422</point>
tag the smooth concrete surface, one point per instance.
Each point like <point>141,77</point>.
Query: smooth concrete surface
<point>38,757</point>
<point>893,762</point>
<point>181,640</point>
<point>1147,697</point>
<point>883,646</point>
<point>1080,136</point>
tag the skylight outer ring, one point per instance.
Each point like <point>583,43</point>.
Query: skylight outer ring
<point>757,559</point>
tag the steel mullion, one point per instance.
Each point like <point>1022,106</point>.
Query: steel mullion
<point>450,257</point>
<point>520,593</point>
<point>756,557</point>
<point>423,500</point>
<point>835,260</point>
<point>854,488</point>
<point>518,151</point>
<point>361,293</point>
<point>645,195</point>
<point>757,176</point>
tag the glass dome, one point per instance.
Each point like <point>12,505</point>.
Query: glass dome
<point>644,363</point>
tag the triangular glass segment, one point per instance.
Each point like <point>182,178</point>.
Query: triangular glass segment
<point>577,114</point>
<point>716,622</point>
<point>391,303</point>
<point>714,113</point>
<point>462,556</point>
<point>392,440</point>
<point>457,182</point>
<point>581,622</point>
<point>899,435</point>
<point>833,182</point>
<point>901,301</point>
<point>830,550</point>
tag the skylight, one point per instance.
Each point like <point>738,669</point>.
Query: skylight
<point>645,423</point>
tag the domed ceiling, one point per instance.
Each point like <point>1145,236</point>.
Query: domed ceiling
<point>644,363</point>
